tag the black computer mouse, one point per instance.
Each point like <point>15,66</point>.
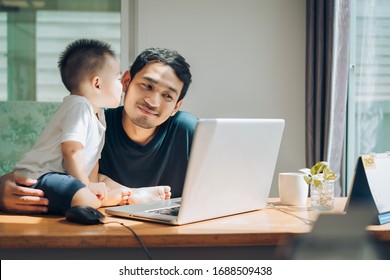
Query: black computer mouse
<point>85,215</point>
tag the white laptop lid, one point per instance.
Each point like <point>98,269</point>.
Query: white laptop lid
<point>230,171</point>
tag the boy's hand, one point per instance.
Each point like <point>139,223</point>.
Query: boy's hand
<point>100,189</point>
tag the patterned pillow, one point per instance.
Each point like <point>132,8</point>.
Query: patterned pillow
<point>21,122</point>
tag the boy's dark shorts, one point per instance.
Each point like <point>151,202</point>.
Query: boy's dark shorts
<point>59,189</point>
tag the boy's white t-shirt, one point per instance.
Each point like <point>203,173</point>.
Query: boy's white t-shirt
<point>74,120</point>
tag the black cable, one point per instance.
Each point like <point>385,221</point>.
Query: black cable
<point>135,235</point>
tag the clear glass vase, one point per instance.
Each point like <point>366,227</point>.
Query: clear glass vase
<point>322,196</point>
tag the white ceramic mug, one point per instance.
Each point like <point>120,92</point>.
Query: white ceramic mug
<point>293,189</point>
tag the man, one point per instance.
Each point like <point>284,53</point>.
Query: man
<point>148,140</point>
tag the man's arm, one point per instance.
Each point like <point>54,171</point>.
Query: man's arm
<point>16,196</point>
<point>111,184</point>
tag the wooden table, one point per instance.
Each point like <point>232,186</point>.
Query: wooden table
<point>24,235</point>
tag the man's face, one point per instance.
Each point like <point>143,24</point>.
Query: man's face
<point>152,95</point>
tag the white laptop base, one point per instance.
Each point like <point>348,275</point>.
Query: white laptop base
<point>230,171</point>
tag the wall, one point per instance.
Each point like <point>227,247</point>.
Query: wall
<point>247,59</point>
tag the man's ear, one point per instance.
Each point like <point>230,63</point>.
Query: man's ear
<point>126,78</point>
<point>177,107</point>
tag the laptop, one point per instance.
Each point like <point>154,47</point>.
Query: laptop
<point>230,171</point>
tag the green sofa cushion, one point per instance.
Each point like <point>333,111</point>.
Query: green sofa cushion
<point>21,122</point>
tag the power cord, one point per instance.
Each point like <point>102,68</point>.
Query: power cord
<point>135,235</point>
<point>306,221</point>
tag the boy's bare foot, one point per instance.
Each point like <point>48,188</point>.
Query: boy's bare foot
<point>118,196</point>
<point>149,194</point>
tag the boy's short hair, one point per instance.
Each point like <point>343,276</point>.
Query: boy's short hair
<point>165,56</point>
<point>80,58</point>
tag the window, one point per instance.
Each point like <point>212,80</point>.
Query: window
<point>368,128</point>
<point>3,56</point>
<point>33,33</point>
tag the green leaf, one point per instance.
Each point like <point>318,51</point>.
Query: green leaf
<point>308,179</point>
<point>317,182</point>
<point>319,167</point>
<point>329,174</point>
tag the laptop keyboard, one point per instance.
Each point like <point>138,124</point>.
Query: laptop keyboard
<point>173,211</point>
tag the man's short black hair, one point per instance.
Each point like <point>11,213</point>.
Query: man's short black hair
<point>166,56</point>
<point>82,57</point>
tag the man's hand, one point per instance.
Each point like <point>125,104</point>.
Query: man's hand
<point>16,196</point>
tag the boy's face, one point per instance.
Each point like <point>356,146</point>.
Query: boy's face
<point>152,95</point>
<point>109,86</point>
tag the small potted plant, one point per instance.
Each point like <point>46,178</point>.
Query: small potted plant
<point>321,179</point>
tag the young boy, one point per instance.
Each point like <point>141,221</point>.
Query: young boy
<point>65,157</point>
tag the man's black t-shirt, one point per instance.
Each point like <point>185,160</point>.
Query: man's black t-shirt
<point>163,161</point>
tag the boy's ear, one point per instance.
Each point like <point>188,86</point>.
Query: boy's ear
<point>126,78</point>
<point>96,82</point>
